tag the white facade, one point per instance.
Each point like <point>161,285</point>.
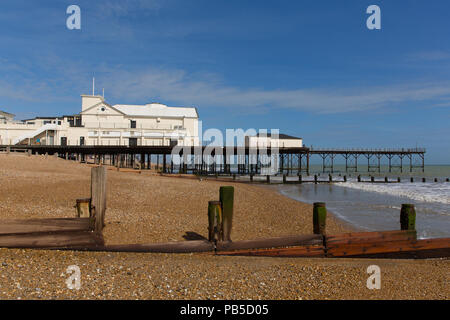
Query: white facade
<point>102,124</point>
<point>267,141</point>
<point>6,117</point>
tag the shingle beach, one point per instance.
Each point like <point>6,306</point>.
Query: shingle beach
<point>148,208</point>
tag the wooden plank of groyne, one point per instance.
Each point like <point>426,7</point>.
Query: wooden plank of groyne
<point>83,239</point>
<point>415,254</point>
<point>400,246</point>
<point>169,247</point>
<point>289,241</point>
<point>11,227</point>
<point>377,236</point>
<point>302,251</point>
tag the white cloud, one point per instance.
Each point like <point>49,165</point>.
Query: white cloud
<point>208,90</point>
<point>125,7</point>
<point>437,55</point>
<point>186,89</point>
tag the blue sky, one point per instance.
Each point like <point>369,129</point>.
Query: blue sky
<point>309,68</point>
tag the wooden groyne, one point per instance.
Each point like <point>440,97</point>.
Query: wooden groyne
<point>84,232</point>
<point>299,179</point>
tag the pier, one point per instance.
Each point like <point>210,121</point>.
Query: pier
<point>215,160</point>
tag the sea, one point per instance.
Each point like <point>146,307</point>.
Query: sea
<point>376,206</point>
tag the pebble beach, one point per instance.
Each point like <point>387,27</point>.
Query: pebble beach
<point>149,208</point>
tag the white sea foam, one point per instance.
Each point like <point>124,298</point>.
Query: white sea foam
<point>424,192</point>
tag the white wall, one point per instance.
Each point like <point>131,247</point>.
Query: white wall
<point>103,125</point>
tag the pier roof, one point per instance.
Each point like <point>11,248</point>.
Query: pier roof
<point>280,136</point>
<point>157,110</point>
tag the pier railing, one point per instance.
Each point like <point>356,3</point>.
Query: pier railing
<point>369,150</point>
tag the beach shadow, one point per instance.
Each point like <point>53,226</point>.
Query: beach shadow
<point>193,236</point>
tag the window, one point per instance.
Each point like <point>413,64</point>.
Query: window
<point>133,124</point>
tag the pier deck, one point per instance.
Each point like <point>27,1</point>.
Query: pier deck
<point>240,160</point>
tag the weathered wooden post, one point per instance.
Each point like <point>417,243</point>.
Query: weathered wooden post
<point>315,178</point>
<point>284,178</point>
<point>227,200</point>
<point>330,178</point>
<point>83,207</point>
<point>98,198</point>
<point>319,217</point>
<point>300,178</point>
<point>251,177</point>
<point>215,229</point>
<point>408,217</point>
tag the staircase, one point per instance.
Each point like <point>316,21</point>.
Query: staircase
<point>34,133</point>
